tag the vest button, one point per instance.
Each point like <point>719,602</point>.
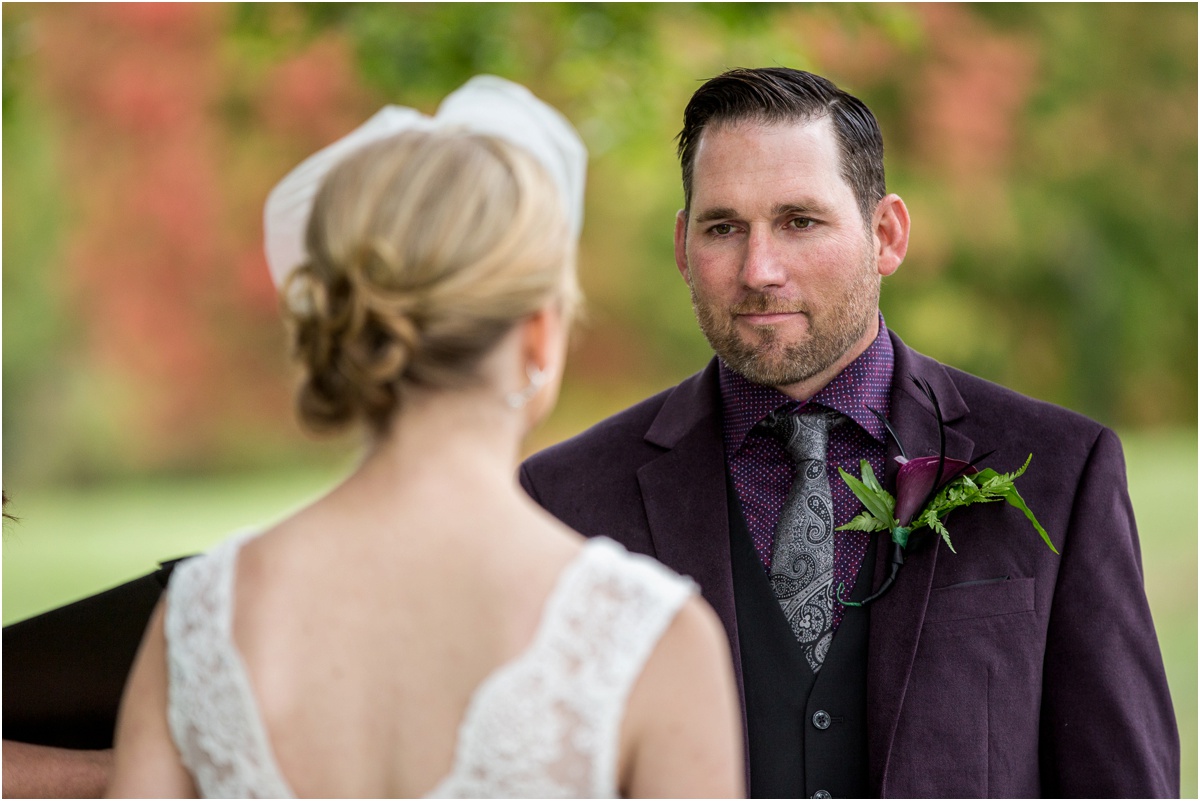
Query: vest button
<point>821,720</point>
<point>822,794</point>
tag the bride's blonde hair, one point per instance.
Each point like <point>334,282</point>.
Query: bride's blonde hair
<point>424,249</point>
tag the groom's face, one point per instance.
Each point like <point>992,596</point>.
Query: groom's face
<point>780,262</point>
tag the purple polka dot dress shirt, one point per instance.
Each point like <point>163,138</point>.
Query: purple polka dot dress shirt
<point>762,472</point>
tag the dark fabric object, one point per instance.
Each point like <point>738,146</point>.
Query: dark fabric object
<point>836,759</point>
<point>806,732</point>
<point>1047,682</point>
<point>65,670</point>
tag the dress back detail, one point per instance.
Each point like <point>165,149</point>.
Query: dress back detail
<point>544,724</point>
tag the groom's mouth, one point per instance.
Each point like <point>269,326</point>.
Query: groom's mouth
<point>763,309</point>
<point>768,318</point>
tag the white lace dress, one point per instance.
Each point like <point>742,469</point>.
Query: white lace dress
<point>545,724</point>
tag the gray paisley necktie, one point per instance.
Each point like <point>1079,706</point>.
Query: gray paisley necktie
<point>802,559</point>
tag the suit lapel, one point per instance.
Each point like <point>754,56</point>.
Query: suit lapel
<point>897,618</point>
<point>683,491</point>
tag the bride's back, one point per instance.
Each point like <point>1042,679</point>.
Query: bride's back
<point>364,649</point>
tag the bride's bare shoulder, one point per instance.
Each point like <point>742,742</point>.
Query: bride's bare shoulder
<point>682,733</point>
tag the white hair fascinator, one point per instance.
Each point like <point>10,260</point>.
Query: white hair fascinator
<point>485,104</point>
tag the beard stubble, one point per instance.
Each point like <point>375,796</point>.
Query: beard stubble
<point>764,359</point>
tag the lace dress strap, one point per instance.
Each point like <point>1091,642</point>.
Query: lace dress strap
<point>547,724</point>
<point>212,712</point>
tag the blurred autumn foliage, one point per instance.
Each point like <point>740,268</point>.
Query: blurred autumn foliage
<point>1048,154</point>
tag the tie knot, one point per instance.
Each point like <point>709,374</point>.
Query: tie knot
<point>805,436</point>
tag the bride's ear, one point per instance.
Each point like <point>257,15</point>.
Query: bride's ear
<point>543,338</point>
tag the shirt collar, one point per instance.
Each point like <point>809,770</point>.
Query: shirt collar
<point>865,382</point>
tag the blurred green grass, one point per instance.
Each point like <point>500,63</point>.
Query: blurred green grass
<point>1162,483</point>
<point>71,543</point>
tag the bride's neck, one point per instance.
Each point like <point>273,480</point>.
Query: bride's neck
<point>456,436</point>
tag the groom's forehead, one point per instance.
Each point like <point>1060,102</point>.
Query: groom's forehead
<point>777,165</point>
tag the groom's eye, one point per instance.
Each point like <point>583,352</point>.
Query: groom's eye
<point>721,229</point>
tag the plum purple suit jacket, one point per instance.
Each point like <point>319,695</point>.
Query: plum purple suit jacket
<point>1001,671</point>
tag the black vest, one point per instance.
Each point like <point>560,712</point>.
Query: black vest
<point>807,732</point>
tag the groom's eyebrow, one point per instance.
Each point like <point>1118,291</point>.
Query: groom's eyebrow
<point>718,213</point>
<point>803,208</point>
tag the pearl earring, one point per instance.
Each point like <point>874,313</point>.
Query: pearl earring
<point>537,379</point>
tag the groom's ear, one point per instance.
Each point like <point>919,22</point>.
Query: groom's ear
<point>681,245</point>
<point>890,226</point>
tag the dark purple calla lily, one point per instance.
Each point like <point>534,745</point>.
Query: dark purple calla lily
<point>915,490</point>
<point>914,482</point>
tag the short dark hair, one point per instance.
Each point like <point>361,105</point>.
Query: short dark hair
<point>779,94</point>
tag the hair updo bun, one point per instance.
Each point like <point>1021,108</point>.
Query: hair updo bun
<point>424,249</point>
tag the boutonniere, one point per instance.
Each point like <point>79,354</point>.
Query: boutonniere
<point>927,489</point>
